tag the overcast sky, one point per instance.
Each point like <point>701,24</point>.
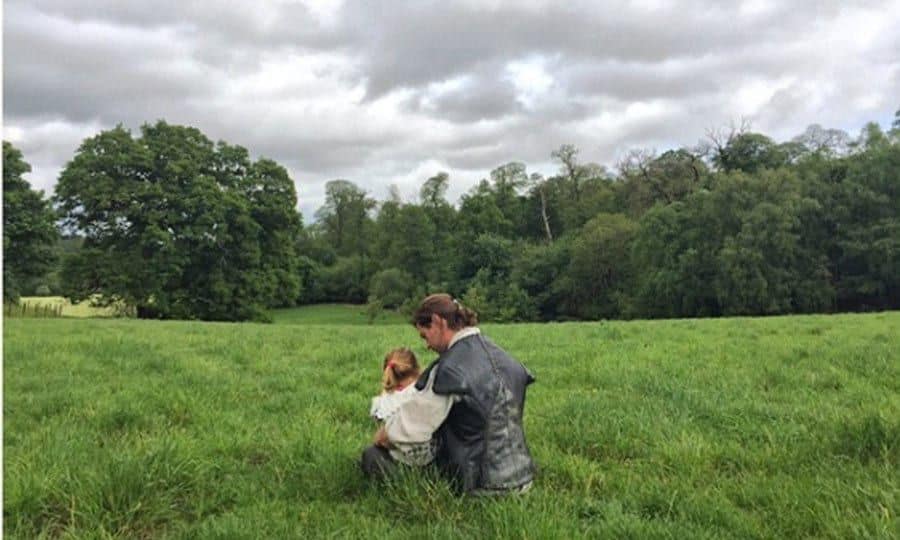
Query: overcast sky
<point>384,93</point>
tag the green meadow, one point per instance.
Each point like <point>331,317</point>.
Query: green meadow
<point>783,427</point>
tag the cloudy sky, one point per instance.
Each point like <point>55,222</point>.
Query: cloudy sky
<point>385,93</point>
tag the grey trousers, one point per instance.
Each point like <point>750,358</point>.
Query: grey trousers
<point>377,462</point>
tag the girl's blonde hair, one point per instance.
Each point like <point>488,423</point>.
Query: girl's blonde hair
<point>399,364</point>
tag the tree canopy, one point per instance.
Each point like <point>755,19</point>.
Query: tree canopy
<point>29,228</point>
<point>740,224</point>
<point>178,226</point>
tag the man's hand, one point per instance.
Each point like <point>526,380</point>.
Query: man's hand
<point>380,438</point>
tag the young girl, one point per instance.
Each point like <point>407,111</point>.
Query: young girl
<point>400,371</point>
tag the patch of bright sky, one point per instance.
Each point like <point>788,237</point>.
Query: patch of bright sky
<point>755,94</point>
<point>755,8</point>
<point>436,90</point>
<point>307,77</point>
<point>613,121</point>
<point>325,11</point>
<point>650,5</point>
<point>410,182</point>
<point>530,79</point>
<point>13,134</point>
<point>45,168</point>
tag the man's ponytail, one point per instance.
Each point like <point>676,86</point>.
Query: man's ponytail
<point>447,308</point>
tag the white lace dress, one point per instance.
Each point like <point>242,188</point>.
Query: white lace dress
<point>383,408</point>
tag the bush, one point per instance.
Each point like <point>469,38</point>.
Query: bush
<point>374,309</point>
<point>345,281</point>
<point>496,300</point>
<point>392,286</point>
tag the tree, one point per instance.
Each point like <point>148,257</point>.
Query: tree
<point>538,186</point>
<point>404,239</point>
<point>506,182</point>
<point>829,142</point>
<point>647,179</point>
<point>178,226</point>
<point>865,253</point>
<point>391,287</point>
<point>29,230</point>
<point>537,269</point>
<point>589,189</point>
<point>272,198</point>
<point>443,222</point>
<point>736,249</point>
<point>345,217</point>
<point>434,189</point>
<point>599,272</point>
<point>567,154</point>
<point>750,152</point>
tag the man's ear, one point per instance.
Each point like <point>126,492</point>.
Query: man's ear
<point>438,320</point>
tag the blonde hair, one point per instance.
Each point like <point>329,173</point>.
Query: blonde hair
<point>399,364</point>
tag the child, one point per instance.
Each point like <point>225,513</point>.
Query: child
<point>399,374</point>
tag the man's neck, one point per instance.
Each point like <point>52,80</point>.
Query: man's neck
<point>462,334</point>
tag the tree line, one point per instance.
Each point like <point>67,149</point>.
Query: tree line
<point>181,227</point>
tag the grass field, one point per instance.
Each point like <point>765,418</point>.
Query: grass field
<point>782,427</point>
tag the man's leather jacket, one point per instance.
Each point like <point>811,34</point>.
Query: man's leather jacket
<point>481,444</point>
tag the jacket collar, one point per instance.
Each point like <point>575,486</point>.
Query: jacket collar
<point>462,334</point>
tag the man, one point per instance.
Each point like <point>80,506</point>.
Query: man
<point>470,403</point>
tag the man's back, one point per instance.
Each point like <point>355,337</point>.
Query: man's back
<point>482,442</point>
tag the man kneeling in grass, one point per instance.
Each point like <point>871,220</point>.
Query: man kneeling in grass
<point>469,403</point>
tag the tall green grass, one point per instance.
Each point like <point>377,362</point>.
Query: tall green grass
<point>734,428</point>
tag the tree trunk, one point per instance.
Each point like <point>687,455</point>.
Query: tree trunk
<point>544,216</point>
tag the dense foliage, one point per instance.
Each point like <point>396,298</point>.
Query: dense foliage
<point>29,231</point>
<point>178,226</point>
<point>739,225</point>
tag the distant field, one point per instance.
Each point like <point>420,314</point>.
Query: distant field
<point>80,310</point>
<point>313,314</point>
<point>334,314</point>
<point>783,427</point>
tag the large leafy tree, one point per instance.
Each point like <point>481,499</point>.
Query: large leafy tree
<point>866,250</point>
<point>646,179</point>
<point>345,217</point>
<point>750,152</point>
<point>734,250</point>
<point>599,272</point>
<point>178,226</point>
<point>583,190</point>
<point>405,240</point>
<point>443,218</point>
<point>29,230</point>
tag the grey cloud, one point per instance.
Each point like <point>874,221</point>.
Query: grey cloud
<point>79,75</point>
<point>413,44</point>
<point>89,65</point>
<point>486,95</point>
<point>247,24</point>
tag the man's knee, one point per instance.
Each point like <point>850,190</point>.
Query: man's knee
<point>376,462</point>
